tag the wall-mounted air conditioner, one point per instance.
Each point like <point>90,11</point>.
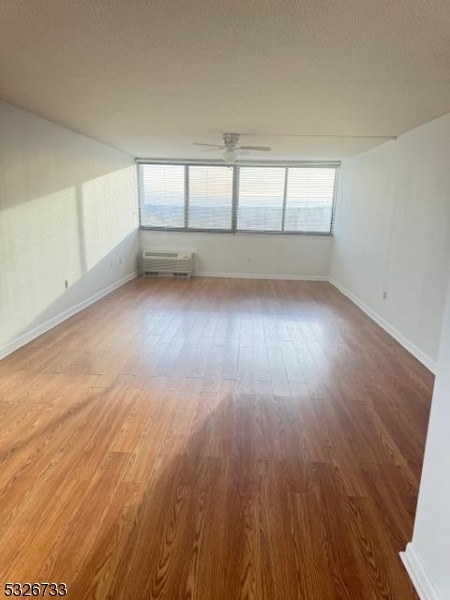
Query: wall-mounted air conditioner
<point>178,263</point>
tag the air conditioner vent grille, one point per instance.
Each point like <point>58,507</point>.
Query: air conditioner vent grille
<point>176,263</point>
<point>149,254</point>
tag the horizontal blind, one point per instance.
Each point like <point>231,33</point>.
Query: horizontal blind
<point>210,197</point>
<point>162,196</point>
<point>238,198</point>
<point>260,202</point>
<point>309,199</point>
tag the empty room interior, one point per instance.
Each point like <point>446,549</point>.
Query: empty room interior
<point>225,299</point>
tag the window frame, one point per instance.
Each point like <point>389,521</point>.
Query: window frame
<point>235,194</point>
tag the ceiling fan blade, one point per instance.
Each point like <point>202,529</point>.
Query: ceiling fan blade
<point>265,148</point>
<point>210,145</point>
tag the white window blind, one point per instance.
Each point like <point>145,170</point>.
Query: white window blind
<point>162,196</point>
<point>309,199</point>
<point>261,191</point>
<point>210,197</point>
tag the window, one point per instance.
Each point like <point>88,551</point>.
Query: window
<point>261,192</point>
<point>238,198</point>
<point>210,197</point>
<point>309,199</point>
<point>162,196</point>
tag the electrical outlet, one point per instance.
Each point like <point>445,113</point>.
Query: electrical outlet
<point>384,294</point>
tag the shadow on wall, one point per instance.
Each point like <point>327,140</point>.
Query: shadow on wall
<point>64,247</point>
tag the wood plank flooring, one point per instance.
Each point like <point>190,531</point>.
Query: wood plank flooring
<point>212,439</point>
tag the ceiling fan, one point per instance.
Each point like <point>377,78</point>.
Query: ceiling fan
<point>232,147</point>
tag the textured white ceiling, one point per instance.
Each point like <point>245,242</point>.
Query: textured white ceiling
<point>152,76</point>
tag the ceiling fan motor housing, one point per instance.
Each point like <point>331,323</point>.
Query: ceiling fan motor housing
<point>230,140</point>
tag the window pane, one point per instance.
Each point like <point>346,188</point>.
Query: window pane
<point>162,196</point>
<point>210,197</point>
<point>261,192</point>
<point>309,202</point>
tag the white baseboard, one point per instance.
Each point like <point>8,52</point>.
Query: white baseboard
<point>418,574</point>
<point>29,336</point>
<point>261,276</point>
<point>54,321</point>
<point>401,339</point>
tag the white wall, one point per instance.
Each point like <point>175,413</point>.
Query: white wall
<point>285,257</point>
<point>67,213</point>
<point>428,556</point>
<point>392,233</point>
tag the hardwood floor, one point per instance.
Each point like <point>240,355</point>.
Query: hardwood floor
<point>212,439</point>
